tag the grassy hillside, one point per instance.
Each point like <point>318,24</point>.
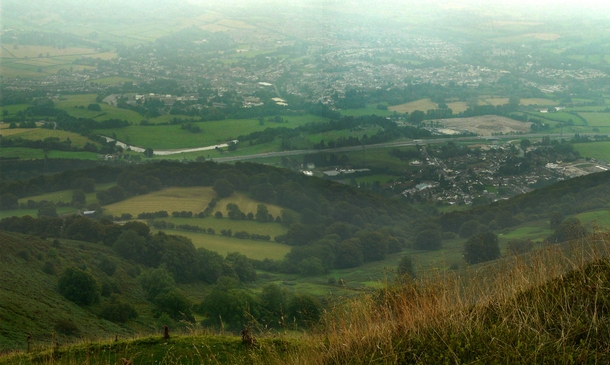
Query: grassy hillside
<point>547,307</point>
<point>31,304</point>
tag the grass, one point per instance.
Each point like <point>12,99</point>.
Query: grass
<point>172,199</point>
<point>596,150</point>
<point>33,212</point>
<point>543,307</point>
<point>423,105</point>
<point>36,134</point>
<point>597,119</point>
<point>111,80</point>
<point>66,195</point>
<point>369,110</point>
<point>212,133</point>
<point>30,153</point>
<point>253,249</point>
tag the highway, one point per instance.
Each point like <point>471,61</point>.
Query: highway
<point>396,144</point>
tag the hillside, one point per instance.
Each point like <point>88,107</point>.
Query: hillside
<point>545,308</point>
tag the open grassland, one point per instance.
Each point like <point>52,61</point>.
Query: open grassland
<point>259,250</point>
<point>458,106</point>
<point>596,221</point>
<point>12,110</point>
<point>34,212</point>
<point>36,134</point>
<point>377,157</point>
<point>66,195</point>
<point>175,199</point>
<point>369,110</point>
<point>30,153</point>
<point>334,135</point>
<point>29,51</point>
<point>212,133</point>
<point>596,150</point>
<point>597,119</point>
<point>423,105</point>
<point>251,226</point>
<point>245,204</point>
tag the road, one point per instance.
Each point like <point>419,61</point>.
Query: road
<point>414,142</point>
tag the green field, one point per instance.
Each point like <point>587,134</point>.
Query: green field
<point>33,212</point>
<point>174,137</point>
<point>369,110</point>
<point>253,249</point>
<point>596,221</point>
<point>30,153</point>
<point>171,200</point>
<point>334,135</point>
<point>36,134</point>
<point>66,195</point>
<point>597,119</point>
<point>596,150</point>
<point>111,80</point>
<point>422,105</point>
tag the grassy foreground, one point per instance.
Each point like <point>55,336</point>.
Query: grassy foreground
<point>547,307</point>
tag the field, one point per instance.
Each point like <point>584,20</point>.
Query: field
<point>245,204</point>
<point>111,80</point>
<point>486,125</point>
<point>258,250</point>
<point>173,199</point>
<point>212,133</point>
<point>369,110</point>
<point>423,105</point>
<point>35,134</point>
<point>596,150</point>
<point>457,106</point>
<point>34,61</point>
<point>30,153</point>
<point>65,195</point>
<point>334,135</point>
<point>597,119</point>
<point>596,220</point>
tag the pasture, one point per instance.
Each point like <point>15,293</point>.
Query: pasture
<point>212,133</point>
<point>596,150</point>
<point>245,204</point>
<point>36,134</point>
<point>597,119</point>
<point>334,135</point>
<point>174,199</point>
<point>423,105</point>
<point>369,110</point>
<point>458,106</point>
<point>31,153</point>
<point>223,245</point>
<point>111,80</point>
<point>251,226</point>
<point>66,195</point>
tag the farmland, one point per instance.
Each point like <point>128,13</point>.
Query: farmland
<point>30,153</point>
<point>596,150</point>
<point>423,105</point>
<point>35,134</point>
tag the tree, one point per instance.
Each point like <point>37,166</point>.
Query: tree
<point>555,219</point>
<point>118,311</point>
<point>130,245</point>
<point>406,267</point>
<point>223,188</point>
<point>79,198</point>
<point>79,286</point>
<point>94,107</point>
<point>481,247</point>
<point>569,229</point>
<point>47,210</point>
<point>262,213</point>
<point>174,304</point>
<point>274,302</point>
<point>155,282</point>
<point>311,266</point>
<point>469,229</point>
<point>8,201</point>
<point>349,254</point>
<point>149,152</point>
<point>305,309</point>
<point>242,266</point>
<point>525,143</point>
<point>374,246</point>
<point>428,240</point>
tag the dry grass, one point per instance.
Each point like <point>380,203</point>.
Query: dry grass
<point>171,200</point>
<point>424,105</point>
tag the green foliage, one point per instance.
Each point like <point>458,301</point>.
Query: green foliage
<point>79,198</point>
<point>155,282</point>
<point>79,286</point>
<point>47,210</point>
<point>118,311</point>
<point>481,247</point>
<point>311,266</point>
<point>107,265</point>
<point>174,304</point>
<point>304,309</point>
<point>223,188</point>
<point>428,240</point>
<point>567,230</point>
<point>242,266</point>
<point>349,254</point>
<point>232,308</point>
<point>406,266</point>
<point>67,327</point>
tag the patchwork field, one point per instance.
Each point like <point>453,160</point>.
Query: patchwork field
<point>31,153</point>
<point>458,106</point>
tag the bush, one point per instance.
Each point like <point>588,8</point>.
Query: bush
<point>481,247</point>
<point>311,266</point>
<point>48,268</point>
<point>406,267</point>
<point>79,286</point>
<point>118,311</point>
<point>67,327</point>
<point>107,266</point>
<point>428,240</point>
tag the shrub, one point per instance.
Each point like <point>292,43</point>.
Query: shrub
<point>79,286</point>
<point>118,311</point>
<point>67,327</point>
<point>48,268</point>
<point>481,247</point>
